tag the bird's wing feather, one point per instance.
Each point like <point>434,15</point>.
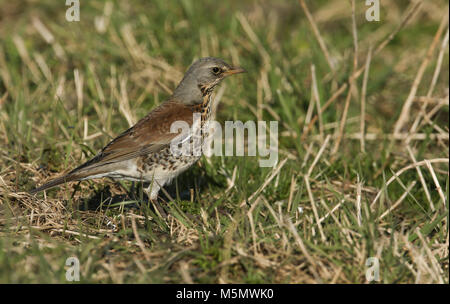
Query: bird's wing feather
<point>149,135</point>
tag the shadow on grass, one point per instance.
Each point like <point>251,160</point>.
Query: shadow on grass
<point>103,198</point>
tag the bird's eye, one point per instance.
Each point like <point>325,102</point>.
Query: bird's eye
<point>216,70</point>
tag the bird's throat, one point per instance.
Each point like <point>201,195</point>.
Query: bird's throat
<point>204,108</point>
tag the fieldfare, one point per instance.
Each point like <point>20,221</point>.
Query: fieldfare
<point>143,152</point>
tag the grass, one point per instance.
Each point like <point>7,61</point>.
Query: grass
<point>335,198</point>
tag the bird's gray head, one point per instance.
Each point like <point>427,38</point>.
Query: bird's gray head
<point>201,78</point>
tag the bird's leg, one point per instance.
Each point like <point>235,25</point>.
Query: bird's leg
<point>152,190</point>
<point>152,193</point>
<point>75,190</point>
<point>132,192</point>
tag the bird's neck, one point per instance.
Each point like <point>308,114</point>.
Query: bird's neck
<point>188,92</point>
<point>204,108</point>
<point>193,93</point>
<point>197,96</point>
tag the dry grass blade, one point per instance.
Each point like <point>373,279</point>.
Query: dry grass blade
<point>399,172</point>
<point>358,201</point>
<point>363,100</point>
<point>22,50</point>
<point>378,136</point>
<point>314,208</point>
<point>124,104</point>
<point>407,17</point>
<point>398,202</point>
<point>316,97</point>
<point>436,73</point>
<point>79,80</point>
<point>319,154</point>
<point>266,182</point>
<point>404,114</point>
<point>422,180</point>
<point>302,247</point>
<point>138,238</point>
<point>333,98</point>
<point>355,37</point>
<point>308,187</point>
<point>436,181</point>
<point>342,123</point>
<point>252,225</point>
<point>184,271</point>
<point>352,82</point>
<point>434,263</point>
<point>437,70</point>
<point>254,38</point>
<point>317,34</point>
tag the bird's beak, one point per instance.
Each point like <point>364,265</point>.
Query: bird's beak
<point>234,70</point>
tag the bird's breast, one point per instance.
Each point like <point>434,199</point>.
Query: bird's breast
<point>204,108</point>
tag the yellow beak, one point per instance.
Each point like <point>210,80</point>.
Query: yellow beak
<point>234,70</point>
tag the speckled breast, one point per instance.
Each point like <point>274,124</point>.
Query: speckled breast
<point>165,161</point>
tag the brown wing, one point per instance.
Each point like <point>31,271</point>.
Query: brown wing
<point>148,135</point>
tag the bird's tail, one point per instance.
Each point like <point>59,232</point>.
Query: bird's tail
<point>85,171</point>
<point>57,181</point>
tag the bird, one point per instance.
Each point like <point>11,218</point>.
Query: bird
<point>143,152</point>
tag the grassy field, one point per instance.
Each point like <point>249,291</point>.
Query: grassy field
<point>363,142</point>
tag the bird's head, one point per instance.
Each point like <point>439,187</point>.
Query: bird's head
<point>202,77</point>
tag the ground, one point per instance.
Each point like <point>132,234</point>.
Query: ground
<point>362,168</point>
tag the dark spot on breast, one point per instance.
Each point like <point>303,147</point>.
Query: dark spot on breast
<point>203,89</point>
